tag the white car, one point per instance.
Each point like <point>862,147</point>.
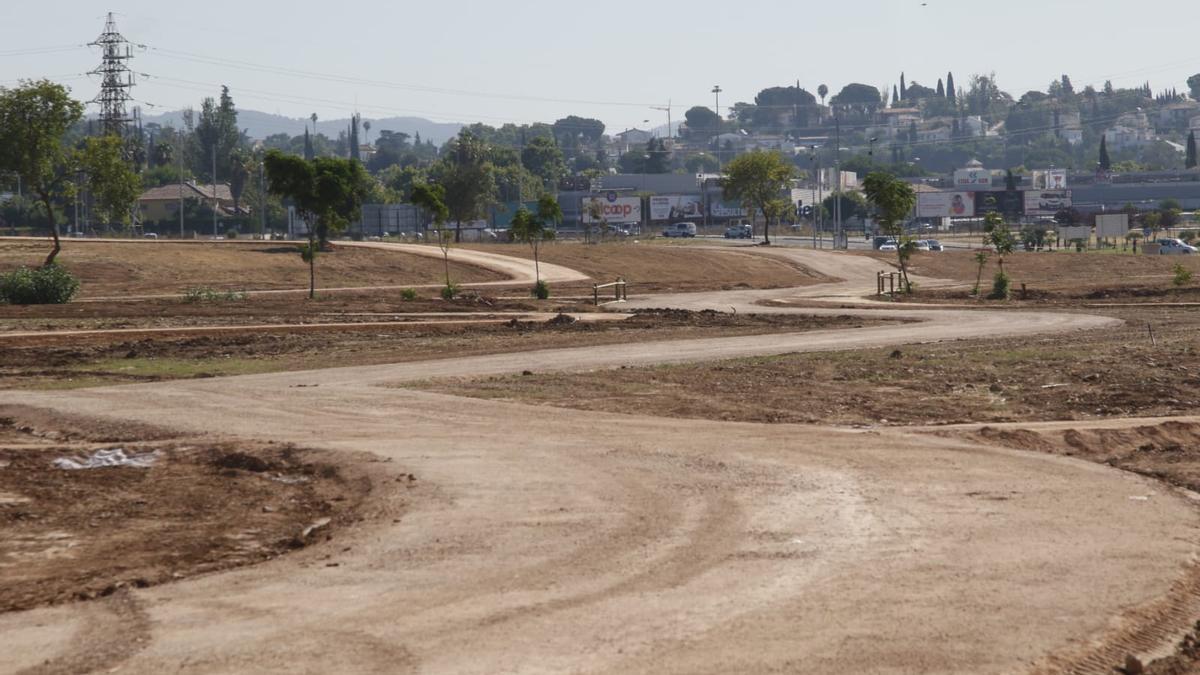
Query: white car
<point>1174,247</point>
<point>888,246</point>
<point>680,230</point>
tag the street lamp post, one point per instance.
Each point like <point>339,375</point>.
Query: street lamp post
<point>716,90</point>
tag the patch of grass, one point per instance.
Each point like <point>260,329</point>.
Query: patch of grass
<point>197,294</point>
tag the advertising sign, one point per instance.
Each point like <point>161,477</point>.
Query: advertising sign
<point>1112,226</point>
<point>723,209</point>
<point>676,207</point>
<point>945,204</point>
<point>612,209</point>
<point>1072,233</point>
<point>1046,202</point>
<point>1056,179</point>
<point>973,178</point>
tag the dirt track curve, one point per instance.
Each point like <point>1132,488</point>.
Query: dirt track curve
<point>563,541</point>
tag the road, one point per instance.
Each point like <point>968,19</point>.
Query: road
<point>566,541</point>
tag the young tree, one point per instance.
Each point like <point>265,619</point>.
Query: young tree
<point>981,258</point>
<point>999,237</point>
<point>34,118</point>
<point>432,198</point>
<point>756,179</point>
<point>530,228</point>
<point>327,191</point>
<point>894,201</point>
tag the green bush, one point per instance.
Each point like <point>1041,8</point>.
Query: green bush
<point>51,285</point>
<point>1188,236</point>
<point>231,234</point>
<point>450,291</point>
<point>408,294</point>
<point>542,290</point>
<point>1000,286</point>
<point>1183,276</point>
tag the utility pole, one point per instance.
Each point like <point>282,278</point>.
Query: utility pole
<point>717,94</point>
<point>837,205</point>
<point>262,200</point>
<point>214,189</point>
<point>180,154</point>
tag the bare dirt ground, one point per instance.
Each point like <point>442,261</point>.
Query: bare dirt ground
<point>82,534</point>
<point>113,268</point>
<point>576,540</point>
<point>1116,372</point>
<point>52,361</point>
<point>659,268</point>
<point>1060,272</point>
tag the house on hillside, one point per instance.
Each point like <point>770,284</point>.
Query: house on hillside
<point>631,139</point>
<point>162,203</point>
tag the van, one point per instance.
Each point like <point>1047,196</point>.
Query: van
<point>680,230</point>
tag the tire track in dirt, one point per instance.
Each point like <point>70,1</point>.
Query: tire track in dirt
<point>114,630</point>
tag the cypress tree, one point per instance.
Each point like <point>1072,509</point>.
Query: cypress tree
<point>1105,162</point>
<point>354,145</point>
<point>941,90</point>
<point>1191,150</point>
<point>950,91</point>
<point>309,154</point>
<point>895,96</point>
<point>903,88</point>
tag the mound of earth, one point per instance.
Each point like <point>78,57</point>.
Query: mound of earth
<point>155,508</point>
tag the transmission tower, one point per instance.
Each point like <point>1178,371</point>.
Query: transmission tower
<point>117,80</point>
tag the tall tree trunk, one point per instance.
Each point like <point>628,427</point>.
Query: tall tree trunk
<point>53,229</point>
<point>766,229</point>
<point>312,264</point>
<point>458,231</point>
<point>537,271</point>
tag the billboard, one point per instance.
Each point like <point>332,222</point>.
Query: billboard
<point>973,178</point>
<point>723,209</point>
<point>1046,202</point>
<point>1112,226</point>
<point>612,209</point>
<point>1056,179</point>
<point>676,207</point>
<point>945,204</point>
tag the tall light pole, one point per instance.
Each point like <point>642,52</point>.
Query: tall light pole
<point>716,90</point>
<point>214,189</point>
<point>837,204</point>
<point>262,199</point>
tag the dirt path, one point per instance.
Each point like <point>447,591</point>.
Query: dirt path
<point>571,541</point>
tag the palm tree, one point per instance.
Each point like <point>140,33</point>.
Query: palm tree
<point>367,131</point>
<point>314,121</point>
<point>823,91</point>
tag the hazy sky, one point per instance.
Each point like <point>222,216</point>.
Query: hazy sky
<point>538,60</point>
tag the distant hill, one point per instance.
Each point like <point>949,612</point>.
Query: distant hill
<point>259,125</point>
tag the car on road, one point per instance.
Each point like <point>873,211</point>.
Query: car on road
<point>880,241</point>
<point>929,245</point>
<point>1174,247</point>
<point>740,231</point>
<point>682,230</point>
<point>888,245</point>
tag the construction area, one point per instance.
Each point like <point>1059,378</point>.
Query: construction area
<point>753,463</point>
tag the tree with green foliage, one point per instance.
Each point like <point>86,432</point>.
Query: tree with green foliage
<point>544,159</point>
<point>894,201</point>
<point>468,178</point>
<point>1193,84</point>
<point>112,182</point>
<point>1105,160</point>
<point>432,198</point>
<point>981,258</point>
<point>823,91</point>
<point>216,132</point>
<point>328,191</point>
<point>951,93</point>
<point>1000,238</point>
<point>34,118</point>
<point>534,229</point>
<point>1190,161</point>
<point>756,179</point>
<point>702,122</point>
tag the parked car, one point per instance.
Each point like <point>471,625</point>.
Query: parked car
<point>683,230</point>
<point>880,241</point>
<point>888,245</point>
<point>740,231</point>
<point>150,235</point>
<point>934,244</point>
<point>1174,247</point>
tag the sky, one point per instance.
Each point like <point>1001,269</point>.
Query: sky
<point>538,60</point>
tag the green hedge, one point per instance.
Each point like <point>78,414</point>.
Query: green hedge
<point>52,285</point>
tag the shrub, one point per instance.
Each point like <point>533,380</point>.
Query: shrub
<point>450,291</point>
<point>542,290</point>
<point>1183,276</point>
<point>1000,287</point>
<point>51,285</point>
<point>1188,236</point>
<point>231,234</point>
<point>409,294</point>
